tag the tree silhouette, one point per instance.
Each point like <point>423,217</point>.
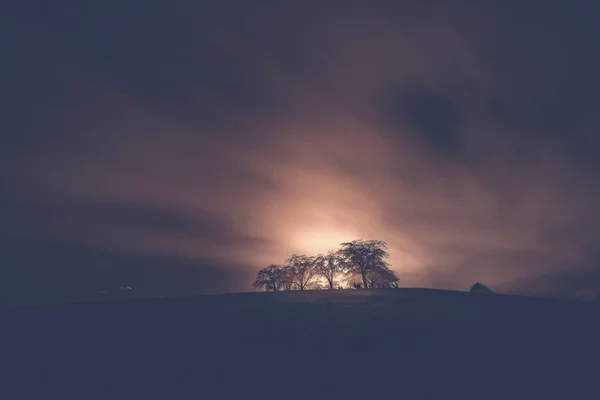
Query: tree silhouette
<point>303,269</point>
<point>382,278</point>
<point>330,266</point>
<point>365,256</point>
<point>287,278</point>
<point>269,278</point>
<point>359,260</point>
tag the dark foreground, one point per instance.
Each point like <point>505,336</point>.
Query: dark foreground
<point>403,343</point>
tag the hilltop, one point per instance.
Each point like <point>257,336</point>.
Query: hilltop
<point>341,342</point>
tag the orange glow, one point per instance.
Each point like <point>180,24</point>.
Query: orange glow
<point>314,241</point>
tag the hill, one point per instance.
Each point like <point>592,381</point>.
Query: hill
<point>332,344</point>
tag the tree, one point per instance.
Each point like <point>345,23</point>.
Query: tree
<point>382,278</point>
<point>303,269</point>
<point>287,278</point>
<point>330,266</point>
<point>365,256</point>
<point>269,278</point>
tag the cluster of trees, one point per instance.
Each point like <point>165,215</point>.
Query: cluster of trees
<point>358,264</point>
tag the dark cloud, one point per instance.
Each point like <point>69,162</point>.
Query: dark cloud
<point>36,270</point>
<point>545,71</point>
<point>231,133</point>
<point>571,282</point>
<point>435,117</point>
<point>142,217</point>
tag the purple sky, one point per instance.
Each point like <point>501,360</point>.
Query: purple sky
<point>179,146</point>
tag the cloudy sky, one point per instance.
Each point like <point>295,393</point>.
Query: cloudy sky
<point>179,146</point>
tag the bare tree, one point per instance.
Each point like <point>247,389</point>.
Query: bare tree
<point>359,260</point>
<point>330,266</point>
<point>303,269</point>
<point>382,278</point>
<point>364,256</point>
<point>269,278</point>
<point>287,278</point>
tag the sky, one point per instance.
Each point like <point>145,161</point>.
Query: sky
<point>179,146</point>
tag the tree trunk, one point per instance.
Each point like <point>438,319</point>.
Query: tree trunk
<point>331,284</point>
<point>364,278</point>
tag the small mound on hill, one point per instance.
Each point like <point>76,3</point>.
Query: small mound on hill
<point>481,288</point>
